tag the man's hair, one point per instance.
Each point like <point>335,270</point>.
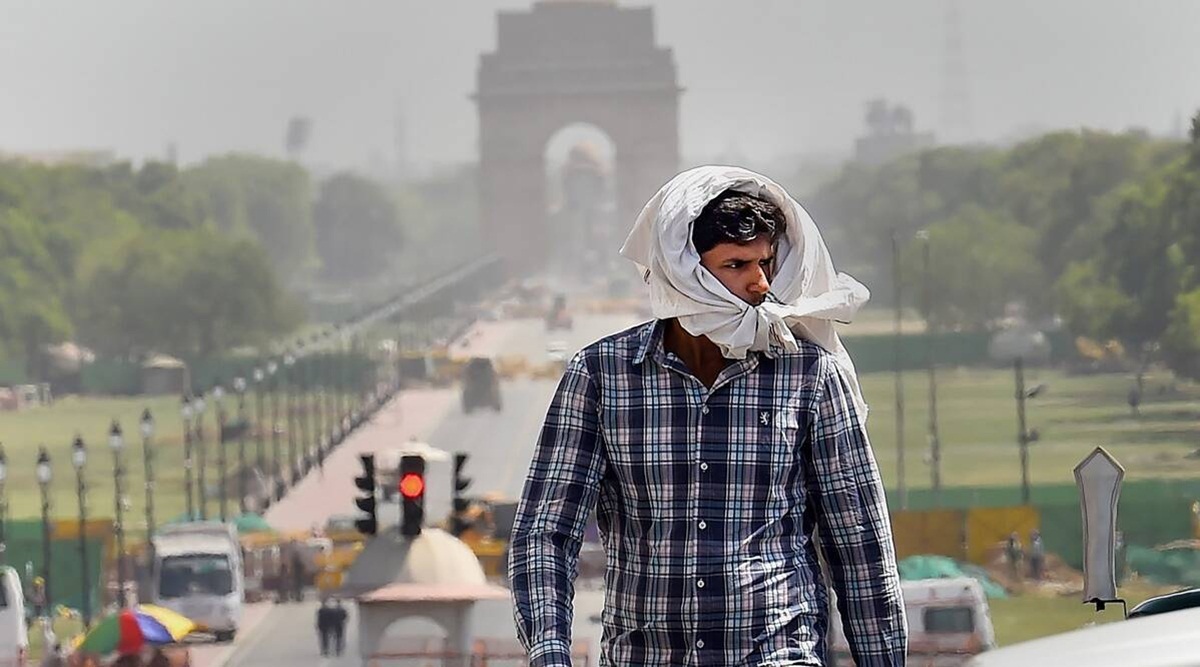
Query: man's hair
<point>736,217</point>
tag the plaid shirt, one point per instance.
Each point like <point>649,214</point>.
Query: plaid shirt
<point>707,502</point>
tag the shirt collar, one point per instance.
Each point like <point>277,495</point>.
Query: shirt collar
<point>650,339</point>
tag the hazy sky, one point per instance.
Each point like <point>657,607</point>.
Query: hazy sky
<point>767,77</point>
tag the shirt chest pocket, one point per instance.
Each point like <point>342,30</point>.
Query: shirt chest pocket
<point>775,438</point>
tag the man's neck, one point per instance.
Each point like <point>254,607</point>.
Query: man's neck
<point>702,356</point>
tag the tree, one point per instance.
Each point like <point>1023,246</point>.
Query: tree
<point>268,200</point>
<point>1140,288</point>
<point>32,313</point>
<point>191,294</point>
<point>1181,340</point>
<point>358,228</point>
<point>980,262</point>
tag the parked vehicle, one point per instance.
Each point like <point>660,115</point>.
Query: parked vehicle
<point>198,572</point>
<point>14,636</point>
<point>948,624</point>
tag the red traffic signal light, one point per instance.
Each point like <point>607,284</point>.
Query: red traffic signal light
<point>412,486</point>
<point>412,495</point>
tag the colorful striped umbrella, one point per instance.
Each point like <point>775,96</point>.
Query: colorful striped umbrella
<point>129,630</point>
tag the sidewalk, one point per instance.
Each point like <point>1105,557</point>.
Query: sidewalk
<point>329,490</point>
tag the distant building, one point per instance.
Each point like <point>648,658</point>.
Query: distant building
<point>890,134</point>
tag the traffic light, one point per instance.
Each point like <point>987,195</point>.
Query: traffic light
<point>412,495</point>
<point>366,503</point>
<point>461,503</point>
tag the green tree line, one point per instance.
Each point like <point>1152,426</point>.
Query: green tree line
<point>1100,228</point>
<point>191,262</point>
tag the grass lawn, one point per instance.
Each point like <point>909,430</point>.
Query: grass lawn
<point>1026,617</point>
<point>978,426</point>
<point>90,417</point>
<point>65,629</point>
<point>977,417</point>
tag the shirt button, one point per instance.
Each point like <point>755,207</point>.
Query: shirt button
<point>703,466</point>
<point>699,643</point>
<point>699,583</point>
<point>704,410</point>
<point>703,525</point>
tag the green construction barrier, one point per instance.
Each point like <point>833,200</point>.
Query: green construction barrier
<point>877,352</point>
<point>24,551</point>
<point>1171,567</point>
<point>12,371</point>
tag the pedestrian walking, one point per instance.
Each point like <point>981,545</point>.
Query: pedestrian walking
<point>297,571</point>
<point>325,624</point>
<point>714,440</point>
<point>339,617</point>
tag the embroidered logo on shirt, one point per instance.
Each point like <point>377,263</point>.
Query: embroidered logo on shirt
<point>765,417</point>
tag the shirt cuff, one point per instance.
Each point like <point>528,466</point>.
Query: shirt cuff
<point>550,653</point>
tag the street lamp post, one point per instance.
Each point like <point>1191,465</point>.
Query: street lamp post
<point>302,417</point>
<point>1024,435</point>
<point>147,428</point>
<point>260,462</point>
<point>239,385</point>
<point>318,404</point>
<point>333,432</point>
<point>222,462</point>
<point>116,441</point>
<point>79,460</point>
<point>185,410</point>
<point>202,456</point>
<point>898,377</point>
<point>935,443</point>
<point>44,476</point>
<point>289,363</point>
<point>343,382</point>
<point>276,476</point>
<point>3,502</point>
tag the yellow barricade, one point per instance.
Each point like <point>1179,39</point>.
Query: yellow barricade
<point>932,532</point>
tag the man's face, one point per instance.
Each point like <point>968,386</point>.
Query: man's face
<point>744,269</point>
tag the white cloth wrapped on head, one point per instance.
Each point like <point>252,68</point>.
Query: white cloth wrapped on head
<point>809,295</point>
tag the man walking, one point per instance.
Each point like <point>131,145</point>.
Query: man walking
<point>722,444</point>
<point>325,625</point>
<point>339,617</point>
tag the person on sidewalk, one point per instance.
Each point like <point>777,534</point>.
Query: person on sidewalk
<point>724,444</point>
<point>325,625</point>
<point>340,616</point>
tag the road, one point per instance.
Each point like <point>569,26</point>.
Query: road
<point>500,446</point>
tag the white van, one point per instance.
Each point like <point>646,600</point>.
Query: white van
<point>198,573</point>
<point>948,624</point>
<point>14,637</point>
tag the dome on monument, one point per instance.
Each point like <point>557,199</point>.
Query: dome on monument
<point>434,557</point>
